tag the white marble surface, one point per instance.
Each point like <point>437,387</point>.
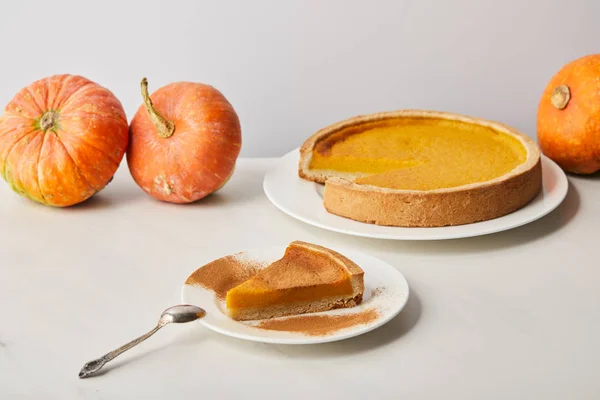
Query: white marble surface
<point>514,315</point>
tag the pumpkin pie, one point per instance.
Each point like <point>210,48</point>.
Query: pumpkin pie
<point>422,168</point>
<point>308,278</point>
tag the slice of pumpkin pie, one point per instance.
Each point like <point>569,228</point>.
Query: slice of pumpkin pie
<point>308,278</point>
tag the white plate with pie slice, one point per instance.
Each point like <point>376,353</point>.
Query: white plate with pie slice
<point>386,294</point>
<point>303,200</point>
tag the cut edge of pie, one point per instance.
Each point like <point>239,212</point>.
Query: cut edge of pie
<point>457,205</point>
<point>302,281</point>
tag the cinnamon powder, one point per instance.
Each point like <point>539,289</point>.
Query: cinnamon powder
<point>224,274</point>
<point>318,325</point>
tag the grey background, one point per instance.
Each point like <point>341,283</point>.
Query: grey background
<point>292,67</point>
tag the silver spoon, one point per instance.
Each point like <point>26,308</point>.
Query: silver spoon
<point>176,314</point>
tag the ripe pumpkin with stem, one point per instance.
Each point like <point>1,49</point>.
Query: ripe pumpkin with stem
<point>61,140</point>
<point>568,119</point>
<point>184,142</point>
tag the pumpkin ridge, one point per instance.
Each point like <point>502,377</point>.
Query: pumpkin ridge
<point>8,114</point>
<point>12,147</point>
<point>75,164</point>
<point>76,93</point>
<point>9,131</point>
<point>10,151</point>
<point>81,139</point>
<point>42,108</point>
<point>24,190</point>
<point>115,116</point>
<point>56,100</point>
<point>38,168</point>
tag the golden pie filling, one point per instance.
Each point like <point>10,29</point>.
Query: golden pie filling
<point>255,295</point>
<point>419,153</point>
<point>300,276</point>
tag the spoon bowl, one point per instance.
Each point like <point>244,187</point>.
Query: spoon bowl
<point>181,314</point>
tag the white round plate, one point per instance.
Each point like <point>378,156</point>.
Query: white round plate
<point>303,200</point>
<point>386,290</point>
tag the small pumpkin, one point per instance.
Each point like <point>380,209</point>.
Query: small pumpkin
<point>61,140</point>
<point>568,118</point>
<point>184,142</point>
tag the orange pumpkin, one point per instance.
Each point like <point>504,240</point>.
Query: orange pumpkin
<point>61,140</point>
<point>184,142</point>
<point>568,119</point>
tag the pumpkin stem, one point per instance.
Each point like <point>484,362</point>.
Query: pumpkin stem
<point>560,96</point>
<point>164,127</point>
<point>49,121</point>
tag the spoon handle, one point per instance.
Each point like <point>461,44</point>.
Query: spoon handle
<point>95,365</point>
